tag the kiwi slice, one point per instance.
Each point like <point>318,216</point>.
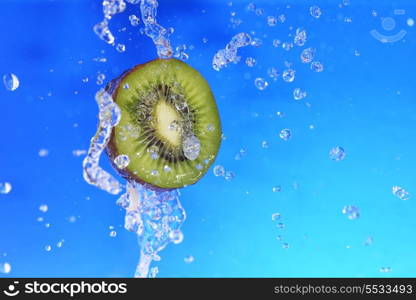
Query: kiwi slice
<point>169,128</point>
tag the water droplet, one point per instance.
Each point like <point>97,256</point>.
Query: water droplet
<point>315,11</point>
<point>298,94</point>
<point>43,208</point>
<point>250,61</point>
<point>260,83</point>
<point>273,73</point>
<point>134,20</point>
<point>189,259</point>
<point>11,82</point>
<point>276,189</point>
<point>337,153</point>
<point>43,152</point>
<point>275,216</point>
<point>219,170</point>
<point>5,268</point>
<point>229,175</point>
<point>385,269</point>
<point>60,243</point>
<point>166,168</point>
<point>121,48</point>
<point>288,75</point>
<point>285,134</point>
<point>271,21</point>
<point>317,66</point>
<point>5,187</point>
<point>276,43</point>
<point>176,236</point>
<point>191,147</point>
<point>300,37</point>
<point>351,211</point>
<point>79,152</point>
<point>368,241</point>
<point>122,161</point>
<point>400,193</point>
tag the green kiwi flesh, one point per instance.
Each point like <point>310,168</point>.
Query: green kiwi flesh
<point>163,103</point>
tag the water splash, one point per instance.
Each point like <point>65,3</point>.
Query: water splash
<point>109,116</point>
<point>156,32</point>
<point>154,215</point>
<point>152,29</point>
<point>229,54</point>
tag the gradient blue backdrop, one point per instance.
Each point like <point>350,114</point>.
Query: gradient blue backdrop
<point>364,103</point>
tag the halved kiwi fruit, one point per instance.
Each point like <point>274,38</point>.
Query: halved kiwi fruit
<point>169,128</point>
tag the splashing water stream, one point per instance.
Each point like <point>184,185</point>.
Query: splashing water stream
<point>156,216</point>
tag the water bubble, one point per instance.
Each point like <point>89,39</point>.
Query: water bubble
<point>287,46</point>
<point>351,211</point>
<point>300,37</point>
<point>5,187</point>
<point>256,42</point>
<point>166,168</point>
<point>285,134</point>
<point>275,216</point>
<point>276,43</point>
<point>103,32</point>
<point>315,11</point>
<point>260,83</point>
<point>271,21</point>
<point>288,75</point>
<point>307,55</point>
<point>298,94</point>
<point>43,208</point>
<point>368,241</point>
<point>113,233</point>
<point>240,154</point>
<point>122,161</point>
<point>43,152</point>
<point>280,225</point>
<point>251,7</point>
<point>219,170</point>
<point>250,61</point>
<point>176,236</point>
<point>273,73</point>
<point>281,18</point>
<point>134,20</point>
<point>189,259</point>
<point>265,144</point>
<point>317,66</point>
<point>400,193</point>
<point>229,175</point>
<point>5,268</point>
<point>79,152</point>
<point>121,48</point>
<point>48,248</point>
<point>337,153</point>
<point>11,82</point>
<point>385,269</point>
<point>60,243</point>
<point>285,245</point>
<point>259,11</point>
<point>410,22</point>
<point>276,189</point>
<point>191,147</point>
<point>153,272</point>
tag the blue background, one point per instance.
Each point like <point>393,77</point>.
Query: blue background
<point>365,104</point>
